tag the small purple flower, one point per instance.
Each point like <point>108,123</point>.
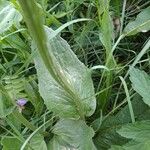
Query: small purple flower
<point>21,102</point>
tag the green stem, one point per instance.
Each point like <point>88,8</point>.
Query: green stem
<point>128,99</point>
<point>35,26</point>
<point>122,17</point>
<point>23,120</point>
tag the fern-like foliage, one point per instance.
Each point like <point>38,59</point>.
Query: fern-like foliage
<point>14,85</point>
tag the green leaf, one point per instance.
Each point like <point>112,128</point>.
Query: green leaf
<point>73,133</point>
<point>8,16</point>
<point>14,41</point>
<point>139,132</point>
<point>136,145</point>
<point>55,145</point>
<point>6,106</point>
<point>103,5</point>
<point>106,30</point>
<point>31,88</point>
<point>78,77</point>
<point>10,143</point>
<point>106,35</point>
<point>141,83</point>
<point>141,23</point>
<point>132,146</point>
<point>62,27</point>
<point>106,135</point>
<point>37,142</point>
<point>115,147</point>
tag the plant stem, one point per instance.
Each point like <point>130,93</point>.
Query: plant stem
<point>34,22</point>
<point>128,99</point>
<point>122,17</point>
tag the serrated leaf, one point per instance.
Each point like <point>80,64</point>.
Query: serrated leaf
<point>77,75</point>
<point>132,146</point>
<point>139,131</point>
<point>141,23</point>
<point>116,147</point>
<point>74,134</point>
<point>107,135</point>
<point>8,16</point>
<point>141,84</point>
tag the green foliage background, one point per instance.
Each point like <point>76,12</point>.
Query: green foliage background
<point>83,68</point>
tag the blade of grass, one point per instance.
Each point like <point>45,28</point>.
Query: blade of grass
<point>123,15</point>
<point>137,59</point>
<point>128,99</point>
<point>66,25</point>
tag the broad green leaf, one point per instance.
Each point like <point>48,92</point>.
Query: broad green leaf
<point>115,147</point>
<point>136,145</point>
<point>37,142</point>
<point>10,143</point>
<point>139,131</point>
<point>141,146</point>
<point>132,146</point>
<point>62,77</point>
<point>8,16</point>
<point>141,84</point>
<point>74,134</point>
<point>106,135</point>
<point>55,145</point>
<point>141,23</point>
<point>77,76</point>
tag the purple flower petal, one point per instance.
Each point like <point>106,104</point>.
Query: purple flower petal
<point>21,102</point>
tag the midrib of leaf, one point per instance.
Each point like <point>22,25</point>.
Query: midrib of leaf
<point>37,32</point>
<point>138,27</point>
